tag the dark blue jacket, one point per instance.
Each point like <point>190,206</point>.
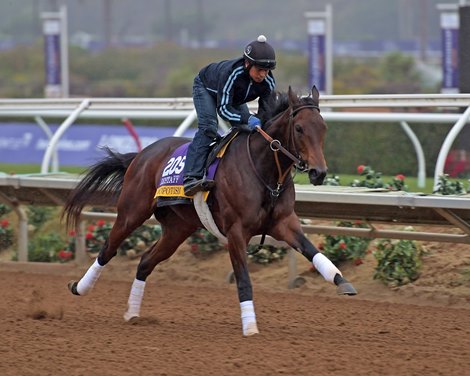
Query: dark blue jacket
<point>231,85</point>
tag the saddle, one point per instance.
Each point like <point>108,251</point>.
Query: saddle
<point>217,146</point>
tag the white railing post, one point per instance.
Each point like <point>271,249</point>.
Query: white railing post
<point>419,154</point>
<point>55,157</point>
<point>186,124</point>
<point>22,225</point>
<point>51,148</point>
<point>441,159</point>
<point>22,233</point>
<point>80,244</point>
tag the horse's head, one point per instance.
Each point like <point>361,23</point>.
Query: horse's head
<point>307,134</point>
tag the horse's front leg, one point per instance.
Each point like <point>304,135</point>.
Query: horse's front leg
<point>237,249</point>
<point>291,232</point>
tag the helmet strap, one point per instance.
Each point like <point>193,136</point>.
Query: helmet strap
<point>247,64</point>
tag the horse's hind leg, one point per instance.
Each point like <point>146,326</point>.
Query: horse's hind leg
<point>174,232</point>
<point>130,216</point>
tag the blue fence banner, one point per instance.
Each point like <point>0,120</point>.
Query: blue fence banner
<point>450,52</point>
<point>81,145</point>
<point>317,54</point>
<point>52,57</point>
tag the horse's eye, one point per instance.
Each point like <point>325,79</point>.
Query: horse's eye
<point>298,128</point>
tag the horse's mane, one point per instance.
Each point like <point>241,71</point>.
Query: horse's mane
<point>279,102</point>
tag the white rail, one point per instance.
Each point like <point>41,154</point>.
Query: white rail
<point>183,109</point>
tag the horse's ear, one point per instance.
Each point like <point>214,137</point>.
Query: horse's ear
<point>315,95</point>
<point>292,97</point>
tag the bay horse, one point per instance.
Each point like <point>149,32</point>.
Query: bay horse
<point>253,194</point>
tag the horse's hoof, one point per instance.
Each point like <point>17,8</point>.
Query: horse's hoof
<point>250,330</point>
<point>230,278</point>
<point>131,317</point>
<point>346,289</point>
<point>72,285</point>
<point>296,282</point>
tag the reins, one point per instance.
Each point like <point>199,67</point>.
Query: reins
<point>281,175</point>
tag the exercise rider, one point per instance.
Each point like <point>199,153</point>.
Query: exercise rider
<point>224,88</point>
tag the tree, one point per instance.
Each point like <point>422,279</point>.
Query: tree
<point>400,74</point>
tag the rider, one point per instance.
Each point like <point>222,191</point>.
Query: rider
<point>224,88</point>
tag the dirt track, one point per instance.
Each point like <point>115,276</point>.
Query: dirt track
<point>192,329</point>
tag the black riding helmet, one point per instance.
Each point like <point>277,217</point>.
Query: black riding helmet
<point>260,54</point>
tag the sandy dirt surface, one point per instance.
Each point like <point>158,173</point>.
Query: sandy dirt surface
<point>190,322</point>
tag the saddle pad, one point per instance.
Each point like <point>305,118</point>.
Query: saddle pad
<point>170,187</point>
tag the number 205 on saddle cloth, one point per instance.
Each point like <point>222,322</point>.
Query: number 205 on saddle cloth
<point>170,188</point>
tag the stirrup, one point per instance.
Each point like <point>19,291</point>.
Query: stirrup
<point>194,186</point>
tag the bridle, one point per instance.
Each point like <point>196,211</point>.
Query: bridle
<point>276,146</point>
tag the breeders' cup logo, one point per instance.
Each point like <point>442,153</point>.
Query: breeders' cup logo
<point>248,49</point>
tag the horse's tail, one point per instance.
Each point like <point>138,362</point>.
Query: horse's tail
<point>103,179</point>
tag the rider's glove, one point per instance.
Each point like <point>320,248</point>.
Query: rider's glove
<point>253,122</point>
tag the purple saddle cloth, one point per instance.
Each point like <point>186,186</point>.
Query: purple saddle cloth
<point>170,188</point>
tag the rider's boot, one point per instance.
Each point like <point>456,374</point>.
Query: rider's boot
<point>193,185</point>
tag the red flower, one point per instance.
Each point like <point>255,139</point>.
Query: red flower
<point>65,255</point>
<point>342,245</point>
<point>360,169</point>
<point>400,177</point>
<point>72,233</point>
<point>91,228</point>
<point>4,223</point>
<point>321,246</point>
<point>358,262</point>
<point>100,222</point>
<point>194,247</point>
<point>89,236</point>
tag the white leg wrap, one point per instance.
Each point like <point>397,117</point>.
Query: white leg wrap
<point>325,267</point>
<point>87,282</point>
<point>248,318</point>
<point>135,300</point>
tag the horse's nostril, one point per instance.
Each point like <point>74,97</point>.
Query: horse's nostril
<point>316,177</point>
<point>313,174</point>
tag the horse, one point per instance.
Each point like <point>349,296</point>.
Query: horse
<point>249,198</point>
